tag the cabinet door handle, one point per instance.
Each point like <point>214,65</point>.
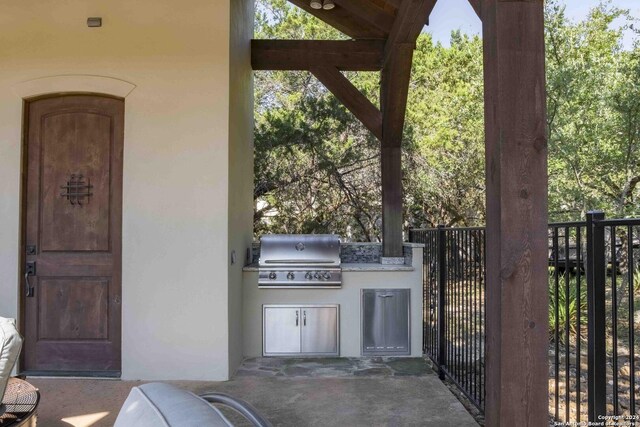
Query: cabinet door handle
<point>297,321</point>
<point>304,318</point>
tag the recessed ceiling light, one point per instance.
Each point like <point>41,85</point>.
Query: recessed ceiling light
<point>94,22</point>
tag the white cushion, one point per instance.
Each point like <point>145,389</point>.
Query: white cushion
<point>10,345</point>
<point>164,405</point>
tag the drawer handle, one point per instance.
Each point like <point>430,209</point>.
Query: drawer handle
<point>385,296</point>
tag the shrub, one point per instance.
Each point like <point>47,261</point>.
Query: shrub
<point>574,302</point>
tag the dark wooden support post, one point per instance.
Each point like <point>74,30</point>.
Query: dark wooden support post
<point>516,177</point>
<point>396,74</point>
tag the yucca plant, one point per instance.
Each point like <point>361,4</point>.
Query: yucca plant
<point>636,281</point>
<point>574,302</point>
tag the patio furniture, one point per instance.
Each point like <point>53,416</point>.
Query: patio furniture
<point>18,398</point>
<point>20,401</point>
<point>10,345</point>
<point>160,404</point>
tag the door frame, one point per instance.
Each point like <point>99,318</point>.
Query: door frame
<point>26,101</point>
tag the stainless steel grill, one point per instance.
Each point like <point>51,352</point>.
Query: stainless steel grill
<point>300,261</point>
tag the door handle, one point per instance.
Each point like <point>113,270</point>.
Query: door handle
<point>304,318</point>
<point>297,320</point>
<point>29,289</point>
<point>30,270</point>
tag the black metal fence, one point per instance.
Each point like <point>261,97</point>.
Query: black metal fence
<point>594,289</point>
<point>453,305</point>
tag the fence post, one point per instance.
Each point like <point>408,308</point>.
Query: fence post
<point>442,279</point>
<point>596,337</point>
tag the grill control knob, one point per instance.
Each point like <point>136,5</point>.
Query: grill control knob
<point>317,275</point>
<point>273,275</point>
<point>308,276</point>
<point>290,275</point>
<point>326,275</point>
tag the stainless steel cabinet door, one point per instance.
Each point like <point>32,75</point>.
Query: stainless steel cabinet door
<point>372,321</point>
<point>385,321</point>
<point>396,334</point>
<point>320,330</point>
<point>281,333</point>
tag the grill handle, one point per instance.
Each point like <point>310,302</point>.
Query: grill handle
<point>299,261</point>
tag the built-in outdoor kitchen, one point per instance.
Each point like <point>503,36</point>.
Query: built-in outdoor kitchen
<point>313,295</point>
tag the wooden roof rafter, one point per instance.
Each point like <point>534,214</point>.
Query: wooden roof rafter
<point>340,86</point>
<point>370,12</point>
<point>412,16</point>
<point>344,20</point>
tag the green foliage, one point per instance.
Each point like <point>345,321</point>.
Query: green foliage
<point>593,94</point>
<point>561,303</point>
<point>444,134</point>
<point>317,168</point>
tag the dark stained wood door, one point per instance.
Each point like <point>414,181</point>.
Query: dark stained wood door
<point>73,223</point>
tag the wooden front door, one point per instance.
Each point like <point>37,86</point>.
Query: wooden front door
<point>72,241</point>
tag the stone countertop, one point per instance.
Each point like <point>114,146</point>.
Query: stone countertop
<point>348,267</point>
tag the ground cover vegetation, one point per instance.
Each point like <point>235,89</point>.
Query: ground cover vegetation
<point>317,168</point>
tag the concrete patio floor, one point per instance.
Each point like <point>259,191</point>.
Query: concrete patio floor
<point>289,392</point>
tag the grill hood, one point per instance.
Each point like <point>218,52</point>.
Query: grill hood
<point>287,250</point>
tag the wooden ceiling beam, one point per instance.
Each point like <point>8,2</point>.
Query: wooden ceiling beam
<point>395,3</point>
<point>476,4</point>
<point>370,12</point>
<point>351,97</point>
<point>346,55</point>
<point>412,16</point>
<point>343,20</point>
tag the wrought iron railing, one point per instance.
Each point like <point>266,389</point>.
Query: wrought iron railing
<point>594,291</point>
<point>453,305</point>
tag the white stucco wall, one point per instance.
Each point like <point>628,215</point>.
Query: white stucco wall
<point>178,185</point>
<point>241,166</point>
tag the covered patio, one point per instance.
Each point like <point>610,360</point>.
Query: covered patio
<point>178,301</point>
<point>315,392</point>
<point>384,34</point>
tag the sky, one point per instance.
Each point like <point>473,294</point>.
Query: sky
<point>449,15</point>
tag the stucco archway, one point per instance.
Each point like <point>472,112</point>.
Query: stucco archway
<point>76,83</point>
